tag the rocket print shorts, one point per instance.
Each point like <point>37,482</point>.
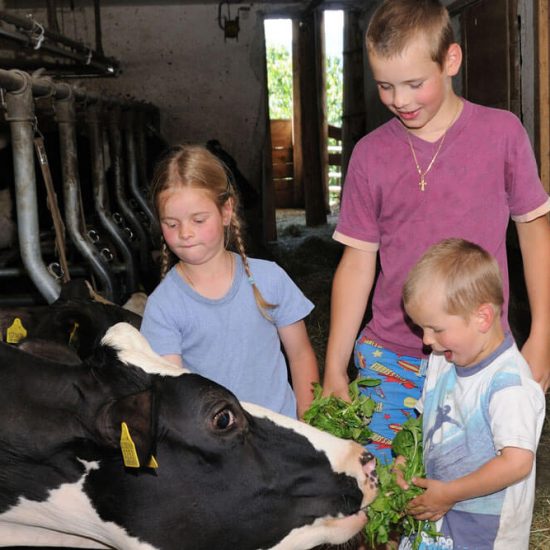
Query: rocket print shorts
<point>402,378</point>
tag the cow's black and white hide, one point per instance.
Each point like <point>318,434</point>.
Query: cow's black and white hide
<point>229,476</point>
<point>70,329</point>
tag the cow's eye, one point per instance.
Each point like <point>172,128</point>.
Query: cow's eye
<point>224,420</point>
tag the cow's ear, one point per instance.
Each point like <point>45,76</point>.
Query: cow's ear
<point>131,416</point>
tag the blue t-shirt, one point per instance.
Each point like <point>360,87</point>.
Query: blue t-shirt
<point>227,339</point>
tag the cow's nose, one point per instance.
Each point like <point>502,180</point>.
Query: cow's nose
<point>369,466</point>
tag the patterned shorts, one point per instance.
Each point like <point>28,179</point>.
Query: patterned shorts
<point>402,378</point>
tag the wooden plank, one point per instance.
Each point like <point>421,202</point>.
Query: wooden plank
<point>283,171</point>
<point>297,118</point>
<point>354,118</point>
<point>312,129</point>
<point>284,193</point>
<point>543,23</point>
<point>281,133</point>
<point>489,54</point>
<point>335,159</point>
<point>282,155</point>
<point>335,132</point>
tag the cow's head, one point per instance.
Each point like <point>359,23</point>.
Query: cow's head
<point>229,476</point>
<point>246,477</point>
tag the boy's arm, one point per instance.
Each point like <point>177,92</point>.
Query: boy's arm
<point>302,363</point>
<point>534,240</point>
<point>351,288</point>
<point>512,465</point>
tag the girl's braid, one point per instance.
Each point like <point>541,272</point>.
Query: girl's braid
<point>166,259</point>
<point>263,304</point>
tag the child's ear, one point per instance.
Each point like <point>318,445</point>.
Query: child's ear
<point>453,59</point>
<point>485,317</point>
<point>227,211</point>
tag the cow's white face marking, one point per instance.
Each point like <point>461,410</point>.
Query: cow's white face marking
<point>344,455</point>
<point>133,349</point>
<point>31,523</point>
<point>323,531</point>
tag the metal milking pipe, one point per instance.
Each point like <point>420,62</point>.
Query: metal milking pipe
<point>66,121</point>
<point>115,141</point>
<point>132,169</point>
<point>21,118</point>
<point>101,197</point>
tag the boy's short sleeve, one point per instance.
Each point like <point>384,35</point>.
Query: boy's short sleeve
<point>516,416</point>
<point>357,222</point>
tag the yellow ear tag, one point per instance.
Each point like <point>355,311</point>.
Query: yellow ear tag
<point>153,463</point>
<point>73,336</point>
<point>15,332</point>
<point>128,448</point>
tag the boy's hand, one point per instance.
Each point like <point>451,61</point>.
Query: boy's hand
<point>431,505</point>
<point>336,384</point>
<point>399,465</point>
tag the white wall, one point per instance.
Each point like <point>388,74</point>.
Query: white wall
<point>205,87</point>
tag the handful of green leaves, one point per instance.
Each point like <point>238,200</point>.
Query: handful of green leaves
<point>387,516</point>
<point>340,418</point>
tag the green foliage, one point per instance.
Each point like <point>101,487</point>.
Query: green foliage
<point>387,513</point>
<point>279,79</point>
<point>334,90</point>
<point>340,418</point>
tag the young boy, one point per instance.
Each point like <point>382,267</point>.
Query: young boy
<point>482,410</point>
<point>442,167</point>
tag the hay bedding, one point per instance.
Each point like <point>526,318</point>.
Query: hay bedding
<point>310,256</point>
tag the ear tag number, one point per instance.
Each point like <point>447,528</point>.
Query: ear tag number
<point>128,448</point>
<point>15,332</point>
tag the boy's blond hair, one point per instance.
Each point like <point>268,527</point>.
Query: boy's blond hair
<point>396,22</point>
<point>470,277</point>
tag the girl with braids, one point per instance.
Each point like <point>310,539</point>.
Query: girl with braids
<point>217,312</point>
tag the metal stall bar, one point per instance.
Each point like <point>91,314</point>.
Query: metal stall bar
<point>101,197</point>
<point>14,82</point>
<point>115,140</point>
<point>143,176</point>
<point>20,115</point>
<point>83,54</point>
<point>66,120</point>
<point>132,171</point>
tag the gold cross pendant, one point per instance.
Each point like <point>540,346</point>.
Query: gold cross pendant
<point>422,183</point>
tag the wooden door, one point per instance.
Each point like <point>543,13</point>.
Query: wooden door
<point>490,38</point>
<point>282,161</point>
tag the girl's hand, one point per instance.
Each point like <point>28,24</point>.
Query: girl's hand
<point>431,505</point>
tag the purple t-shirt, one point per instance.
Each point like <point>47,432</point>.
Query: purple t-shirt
<point>484,174</point>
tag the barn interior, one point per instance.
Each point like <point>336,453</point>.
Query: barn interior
<point>94,90</point>
<point>109,84</point>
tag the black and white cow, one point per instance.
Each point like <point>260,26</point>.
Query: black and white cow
<point>229,476</point>
<point>70,329</point>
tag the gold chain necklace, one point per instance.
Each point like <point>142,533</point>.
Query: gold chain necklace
<point>422,183</point>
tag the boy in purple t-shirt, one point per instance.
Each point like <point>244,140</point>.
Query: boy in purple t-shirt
<point>443,167</point>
